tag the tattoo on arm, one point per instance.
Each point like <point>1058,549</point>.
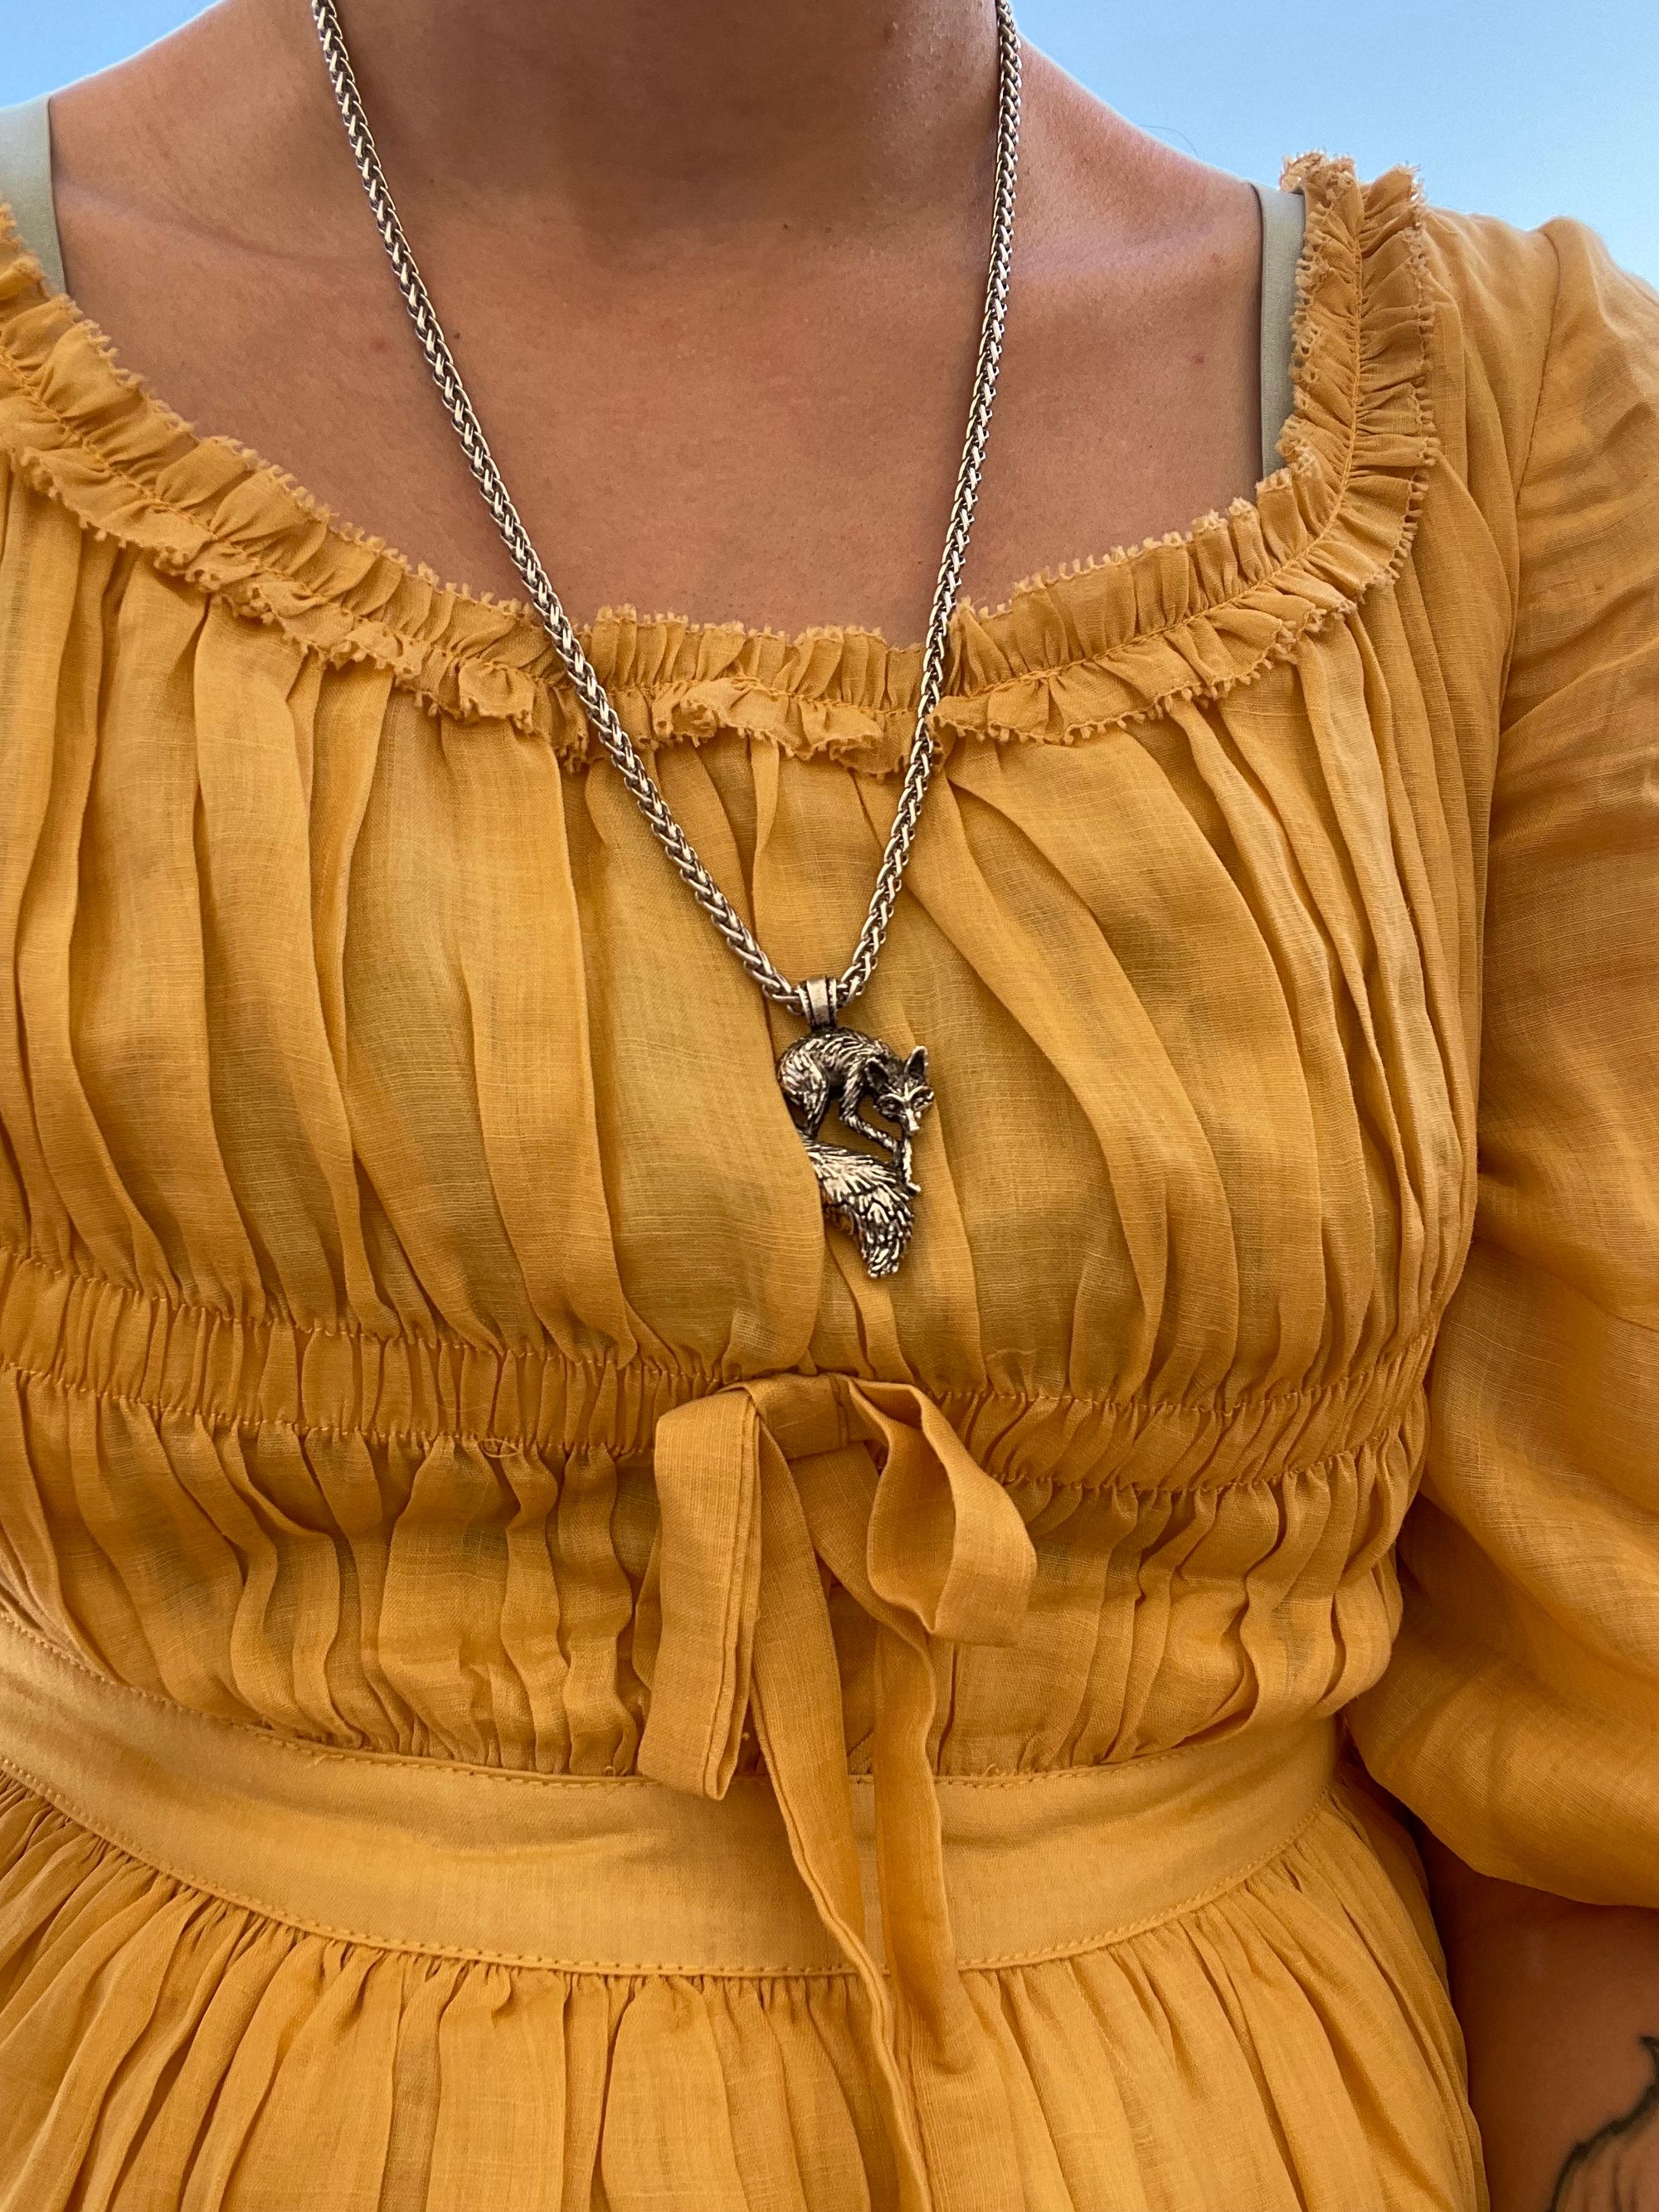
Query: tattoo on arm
<point>1618,2165</point>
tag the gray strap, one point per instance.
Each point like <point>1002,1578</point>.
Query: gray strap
<point>1283,216</point>
<point>26,182</point>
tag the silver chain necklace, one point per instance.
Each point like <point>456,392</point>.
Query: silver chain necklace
<point>869,1195</point>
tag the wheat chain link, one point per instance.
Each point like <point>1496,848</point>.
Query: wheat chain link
<point>602,715</point>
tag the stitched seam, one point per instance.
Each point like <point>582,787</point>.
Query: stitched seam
<point>220,1418</point>
<point>1180,1911</point>
<point>1016,1777</point>
<point>461,1347</point>
<point>320,1754</point>
<point>504,1776</point>
<point>112,1837</point>
<point>611,1971</point>
<point>553,1357</point>
<point>63,1800</point>
<point>1545,368</point>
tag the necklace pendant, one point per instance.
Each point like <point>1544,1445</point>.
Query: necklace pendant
<point>870,1195</point>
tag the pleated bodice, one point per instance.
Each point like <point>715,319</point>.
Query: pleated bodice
<point>418,1331</point>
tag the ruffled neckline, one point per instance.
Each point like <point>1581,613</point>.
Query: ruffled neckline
<point>1073,653</point>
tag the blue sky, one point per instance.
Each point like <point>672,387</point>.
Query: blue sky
<point>1519,108</point>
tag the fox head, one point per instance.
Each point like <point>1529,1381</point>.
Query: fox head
<point>899,1090</point>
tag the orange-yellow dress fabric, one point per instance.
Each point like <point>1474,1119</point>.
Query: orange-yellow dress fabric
<point>526,1679</point>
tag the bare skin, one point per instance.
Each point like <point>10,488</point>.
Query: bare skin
<point>1559,2005</point>
<point>713,274</point>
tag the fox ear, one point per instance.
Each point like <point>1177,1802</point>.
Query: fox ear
<point>917,1063</point>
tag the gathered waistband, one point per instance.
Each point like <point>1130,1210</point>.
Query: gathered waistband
<point>624,1875</point>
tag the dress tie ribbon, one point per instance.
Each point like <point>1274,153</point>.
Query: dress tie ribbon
<point>756,1484</point>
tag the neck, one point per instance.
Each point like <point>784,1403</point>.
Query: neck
<point>641,116</point>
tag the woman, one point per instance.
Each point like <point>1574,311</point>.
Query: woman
<point>467,1509</point>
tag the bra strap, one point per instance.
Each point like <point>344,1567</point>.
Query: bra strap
<point>25,183</point>
<point>1283,216</point>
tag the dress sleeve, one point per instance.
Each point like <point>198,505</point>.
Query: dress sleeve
<point>1519,1716</point>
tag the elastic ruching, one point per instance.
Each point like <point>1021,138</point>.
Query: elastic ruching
<point>79,1333</point>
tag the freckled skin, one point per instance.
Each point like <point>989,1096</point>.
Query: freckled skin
<point>713,275</point>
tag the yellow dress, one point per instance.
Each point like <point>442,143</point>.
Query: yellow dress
<point>526,1680</point>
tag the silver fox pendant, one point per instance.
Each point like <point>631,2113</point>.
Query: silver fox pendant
<point>869,1195</point>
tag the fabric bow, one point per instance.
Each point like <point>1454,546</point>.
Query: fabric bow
<point>756,1484</point>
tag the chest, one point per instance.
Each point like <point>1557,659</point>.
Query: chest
<point>392,1015</point>
<point>765,432</point>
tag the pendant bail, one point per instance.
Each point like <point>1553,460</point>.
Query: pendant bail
<point>819,992</point>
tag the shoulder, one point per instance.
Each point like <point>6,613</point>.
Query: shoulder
<point>1513,277</point>
<point>1096,189</point>
<point>1534,326</point>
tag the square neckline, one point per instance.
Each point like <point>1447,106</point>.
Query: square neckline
<point>100,438</point>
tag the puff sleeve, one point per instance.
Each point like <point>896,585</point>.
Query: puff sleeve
<point>1519,1715</point>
